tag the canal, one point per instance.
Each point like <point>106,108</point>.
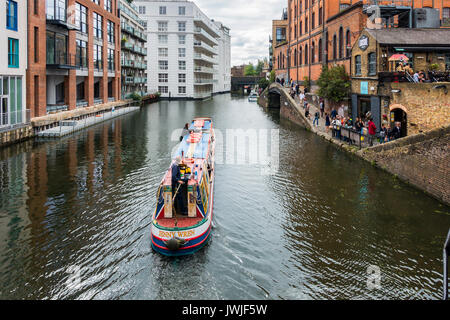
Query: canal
<point>75,218</point>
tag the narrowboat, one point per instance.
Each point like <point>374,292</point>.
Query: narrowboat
<point>253,97</point>
<point>182,219</point>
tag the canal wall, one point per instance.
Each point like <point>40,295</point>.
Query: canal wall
<point>422,160</point>
<point>275,96</point>
<point>15,135</point>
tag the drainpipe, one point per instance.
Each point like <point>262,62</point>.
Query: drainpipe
<point>324,40</point>
<point>288,53</point>
<point>309,43</point>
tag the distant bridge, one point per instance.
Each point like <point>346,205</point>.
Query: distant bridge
<point>238,83</point>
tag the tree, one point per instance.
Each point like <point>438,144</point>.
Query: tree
<point>249,70</point>
<point>334,84</point>
<point>263,83</point>
<point>272,76</point>
<point>259,67</point>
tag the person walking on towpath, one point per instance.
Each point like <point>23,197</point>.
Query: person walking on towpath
<point>316,119</point>
<point>322,107</point>
<point>372,130</point>
<point>327,122</point>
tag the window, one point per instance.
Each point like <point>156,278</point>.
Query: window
<point>81,54</point>
<point>313,20</point>
<point>13,53</point>
<point>181,26</point>
<point>98,57</point>
<point>313,55</point>
<point>162,26</point>
<point>142,9</point>
<point>358,65</point>
<point>306,25</point>
<point>36,44</point>
<point>182,39</point>
<point>181,52</point>
<point>111,31</point>
<point>300,28</point>
<point>163,65</point>
<point>372,63</point>
<point>111,60</point>
<point>163,77</point>
<point>344,6</point>
<point>163,89</point>
<point>320,16</point>
<point>334,47</point>
<point>162,39</point>
<point>181,11</point>
<point>341,43</point>
<point>96,1</point>
<point>81,17</point>
<point>56,48</point>
<point>11,15</point>
<point>281,35</point>
<point>182,78</point>
<point>445,17</point>
<point>320,50</point>
<point>348,39</point>
<point>181,90</point>
<point>306,55</point>
<point>108,5</point>
<point>98,25</point>
<point>182,65</point>
<point>163,52</point>
<point>300,56</point>
<point>36,7</point>
<point>162,10</point>
<point>56,10</point>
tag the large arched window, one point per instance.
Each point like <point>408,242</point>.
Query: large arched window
<point>348,41</point>
<point>327,47</point>
<point>306,54</point>
<point>341,43</point>
<point>334,47</point>
<point>313,48</point>
<point>300,56</point>
<point>295,57</point>
<point>320,50</point>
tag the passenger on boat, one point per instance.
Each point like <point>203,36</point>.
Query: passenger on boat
<point>185,131</point>
<point>176,180</point>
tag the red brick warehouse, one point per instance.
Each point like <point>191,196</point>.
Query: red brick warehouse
<point>323,31</point>
<point>73,54</point>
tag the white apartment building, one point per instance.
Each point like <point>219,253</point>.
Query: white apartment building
<point>134,52</point>
<point>183,45</point>
<point>13,41</point>
<point>222,76</point>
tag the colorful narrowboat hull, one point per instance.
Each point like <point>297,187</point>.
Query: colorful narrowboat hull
<point>183,235</point>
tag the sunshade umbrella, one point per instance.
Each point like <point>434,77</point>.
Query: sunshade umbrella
<point>398,57</point>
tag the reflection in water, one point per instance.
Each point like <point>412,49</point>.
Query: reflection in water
<point>75,216</point>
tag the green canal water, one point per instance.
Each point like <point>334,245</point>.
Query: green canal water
<point>75,218</point>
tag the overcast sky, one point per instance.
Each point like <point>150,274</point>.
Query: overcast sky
<point>250,22</point>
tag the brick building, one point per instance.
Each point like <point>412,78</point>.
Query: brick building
<point>73,54</point>
<point>280,45</point>
<point>323,31</point>
<point>379,86</point>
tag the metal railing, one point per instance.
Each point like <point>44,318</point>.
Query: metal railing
<point>11,120</point>
<point>57,108</point>
<point>446,254</point>
<point>61,59</point>
<point>353,137</point>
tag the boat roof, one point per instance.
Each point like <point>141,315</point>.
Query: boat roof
<point>198,149</point>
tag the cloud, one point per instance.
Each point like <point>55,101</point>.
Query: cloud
<point>250,22</point>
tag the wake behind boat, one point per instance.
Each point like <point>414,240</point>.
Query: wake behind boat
<point>183,216</point>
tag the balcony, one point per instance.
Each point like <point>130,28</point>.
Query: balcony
<point>205,58</point>
<point>205,36</point>
<point>58,16</point>
<point>203,81</point>
<point>204,47</point>
<point>129,80</point>
<point>61,60</point>
<point>200,69</point>
<point>127,46</point>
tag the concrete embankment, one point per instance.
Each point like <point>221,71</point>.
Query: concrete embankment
<point>421,160</point>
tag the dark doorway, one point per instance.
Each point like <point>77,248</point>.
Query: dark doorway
<point>60,93</point>
<point>80,91</point>
<point>364,106</point>
<point>97,90</point>
<point>398,115</point>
